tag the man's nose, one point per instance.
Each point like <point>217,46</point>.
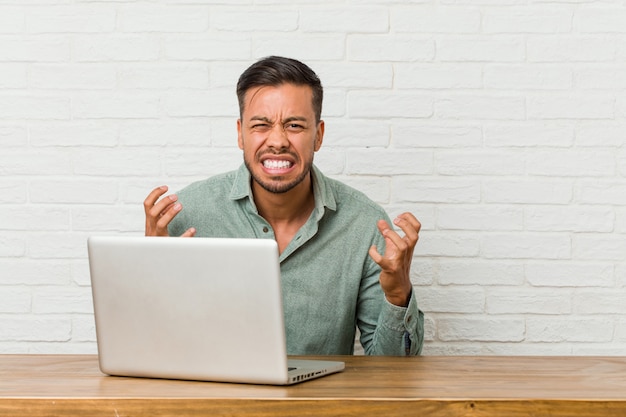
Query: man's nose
<point>277,137</point>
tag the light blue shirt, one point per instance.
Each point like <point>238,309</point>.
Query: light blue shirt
<point>330,283</point>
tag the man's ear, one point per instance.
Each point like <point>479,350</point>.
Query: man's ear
<point>239,134</point>
<point>319,135</point>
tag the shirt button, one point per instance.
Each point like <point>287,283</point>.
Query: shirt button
<point>265,229</point>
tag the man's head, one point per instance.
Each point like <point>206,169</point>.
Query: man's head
<point>279,129</point>
<point>274,71</point>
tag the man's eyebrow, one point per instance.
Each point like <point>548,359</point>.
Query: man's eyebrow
<point>295,119</point>
<point>261,118</point>
<point>287,120</point>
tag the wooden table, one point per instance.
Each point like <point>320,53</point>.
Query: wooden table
<point>63,385</point>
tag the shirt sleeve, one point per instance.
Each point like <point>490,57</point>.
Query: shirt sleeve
<point>387,329</point>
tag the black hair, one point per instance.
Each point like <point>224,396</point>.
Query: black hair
<point>277,70</point>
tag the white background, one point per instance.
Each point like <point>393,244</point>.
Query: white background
<point>500,123</point>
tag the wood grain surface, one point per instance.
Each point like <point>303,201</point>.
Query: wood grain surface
<point>62,385</point>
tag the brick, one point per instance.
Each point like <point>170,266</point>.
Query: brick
<point>116,106</point>
<point>194,47</point>
<point>115,47</point>
<point>605,301</point>
<point>528,191</point>
<point>29,272</point>
<point>12,191</point>
<point>361,133</point>
<point>489,218</point>
<point>73,133</point>
<point>83,328</point>
<point>34,106</point>
<point>601,20</point>
<point>33,217</point>
<point>110,160</point>
<point>481,329</point>
<point>34,328</point>
<point>601,78</point>
<point>381,104</point>
<point>418,135</point>
<point>481,49</point>
<point>408,189</point>
<point>575,163</point>
<point>15,300</point>
<point>553,329</point>
<point>429,19</point>
<point>47,300</point>
<point>571,48</point>
<point>479,272</point>
<point>331,163</point>
<point>34,48</point>
<point>375,188</point>
<point>480,107</point>
<point>594,247</point>
<point>57,246</point>
<point>601,192</point>
<point>448,244</point>
<point>35,162</point>
<point>362,19</point>
<point>164,77</point>
<point>452,300</point>
<point>569,274</point>
<point>400,48</point>
<point>216,103</point>
<point>601,135</point>
<point>572,219</point>
<point>306,47</point>
<point>253,20</point>
<point>176,133</point>
<point>71,19</point>
<point>526,246</point>
<point>356,75</point>
<point>201,162</point>
<point>527,77</point>
<point>529,135</point>
<point>163,18</point>
<point>13,76</point>
<point>571,107</point>
<point>72,77</point>
<point>13,136</point>
<point>527,20</point>
<point>438,76</point>
<point>534,301</point>
<point>12,245</point>
<point>11,19</point>
<point>108,219</point>
<point>73,191</point>
<point>388,162</point>
<point>474,162</point>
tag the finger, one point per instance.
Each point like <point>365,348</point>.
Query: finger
<point>191,232</point>
<point>166,217</point>
<point>409,225</point>
<point>376,257</point>
<point>152,198</point>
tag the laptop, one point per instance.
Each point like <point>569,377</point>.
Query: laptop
<point>207,309</point>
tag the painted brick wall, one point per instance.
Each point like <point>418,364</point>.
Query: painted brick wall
<point>500,123</point>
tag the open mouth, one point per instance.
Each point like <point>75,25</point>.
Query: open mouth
<point>277,164</point>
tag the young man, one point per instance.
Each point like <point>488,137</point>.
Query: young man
<point>342,264</point>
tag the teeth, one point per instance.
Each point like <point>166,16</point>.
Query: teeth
<point>273,164</point>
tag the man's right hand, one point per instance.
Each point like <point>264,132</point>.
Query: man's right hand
<point>159,213</point>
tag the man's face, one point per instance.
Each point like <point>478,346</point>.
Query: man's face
<point>278,134</point>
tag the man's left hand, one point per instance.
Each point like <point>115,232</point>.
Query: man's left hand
<point>396,262</point>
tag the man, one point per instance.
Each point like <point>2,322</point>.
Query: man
<point>342,264</point>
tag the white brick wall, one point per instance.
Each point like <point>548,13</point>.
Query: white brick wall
<point>499,123</point>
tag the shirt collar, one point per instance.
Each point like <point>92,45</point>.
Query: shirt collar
<point>322,191</point>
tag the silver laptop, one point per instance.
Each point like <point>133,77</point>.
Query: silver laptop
<point>193,308</point>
